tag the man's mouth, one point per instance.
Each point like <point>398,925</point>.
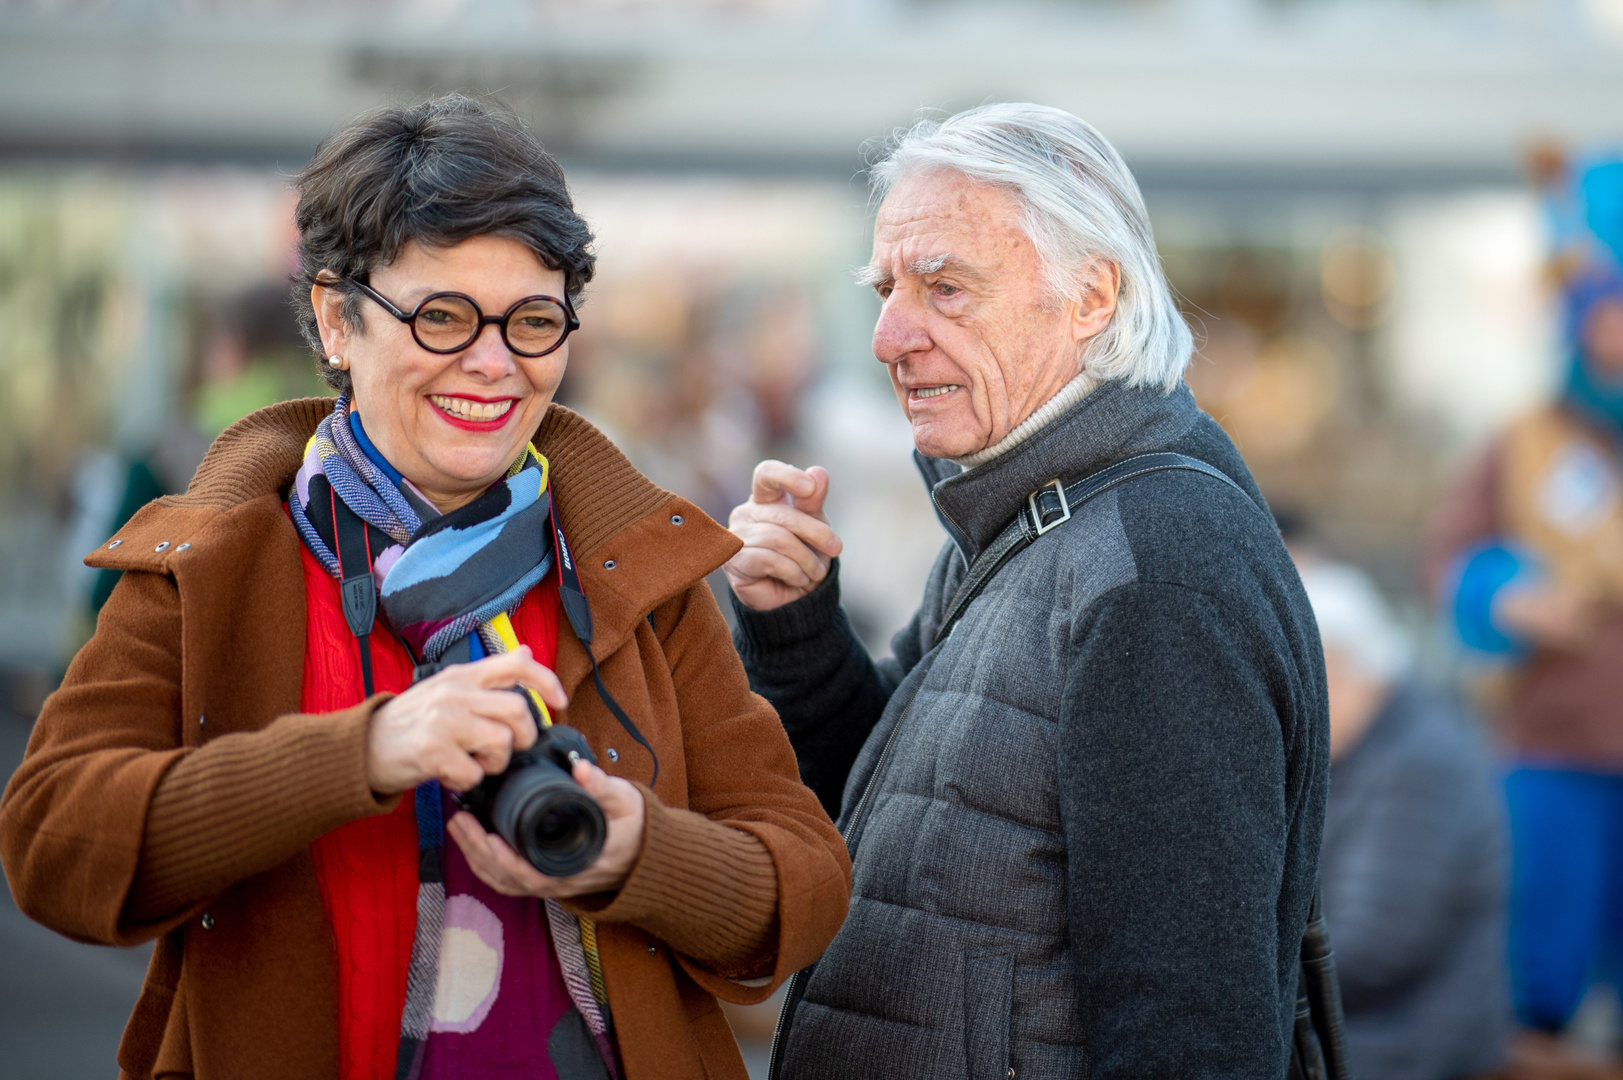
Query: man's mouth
<point>479,412</point>
<point>935,391</point>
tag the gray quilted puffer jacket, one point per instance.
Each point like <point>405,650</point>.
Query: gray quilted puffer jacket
<point>1091,846</point>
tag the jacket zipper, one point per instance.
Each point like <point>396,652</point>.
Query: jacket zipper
<point>793,986</point>
<point>955,531</point>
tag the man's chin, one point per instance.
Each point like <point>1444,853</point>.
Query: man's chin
<point>933,442</point>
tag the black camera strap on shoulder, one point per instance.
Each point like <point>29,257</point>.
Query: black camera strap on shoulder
<point>579,614</point>
<point>358,588</point>
<point>1318,1049</point>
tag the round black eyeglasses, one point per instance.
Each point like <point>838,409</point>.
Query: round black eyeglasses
<point>448,322</point>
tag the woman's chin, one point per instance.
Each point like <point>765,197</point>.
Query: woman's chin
<point>468,471</point>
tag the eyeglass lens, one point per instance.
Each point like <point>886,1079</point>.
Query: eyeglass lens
<point>449,323</point>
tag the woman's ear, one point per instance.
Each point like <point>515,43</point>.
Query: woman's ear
<point>1092,311</point>
<point>329,308</point>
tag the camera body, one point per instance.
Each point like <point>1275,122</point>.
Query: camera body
<point>539,809</point>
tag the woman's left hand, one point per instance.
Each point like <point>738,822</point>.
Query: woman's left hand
<point>506,871</point>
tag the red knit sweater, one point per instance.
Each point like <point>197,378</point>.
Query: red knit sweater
<point>368,869</point>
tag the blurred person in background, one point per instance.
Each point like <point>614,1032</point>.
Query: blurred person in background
<point>1413,863</point>
<point>1085,815</point>
<point>247,765</point>
<point>1527,557</point>
<point>252,356</point>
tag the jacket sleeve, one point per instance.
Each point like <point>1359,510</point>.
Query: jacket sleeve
<point>750,882</point>
<point>804,658</point>
<point>1426,853</point>
<point>1172,782</point>
<point>112,831</point>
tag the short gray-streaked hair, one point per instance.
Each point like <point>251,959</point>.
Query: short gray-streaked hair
<point>1079,202</point>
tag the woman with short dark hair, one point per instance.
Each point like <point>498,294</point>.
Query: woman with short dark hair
<point>304,683</point>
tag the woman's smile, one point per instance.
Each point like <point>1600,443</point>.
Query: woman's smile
<point>471,413</point>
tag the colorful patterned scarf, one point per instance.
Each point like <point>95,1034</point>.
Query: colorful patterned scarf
<point>444,580</point>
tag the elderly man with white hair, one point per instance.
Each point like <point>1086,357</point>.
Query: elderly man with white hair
<point>1413,865</point>
<point>1084,796</point>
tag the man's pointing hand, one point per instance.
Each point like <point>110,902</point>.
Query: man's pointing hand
<point>788,544</point>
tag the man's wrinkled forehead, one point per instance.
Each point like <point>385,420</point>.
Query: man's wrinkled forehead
<point>940,222</point>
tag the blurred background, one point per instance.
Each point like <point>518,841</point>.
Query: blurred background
<point>1339,188</point>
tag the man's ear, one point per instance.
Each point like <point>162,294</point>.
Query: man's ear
<point>329,308</point>
<point>1092,311</point>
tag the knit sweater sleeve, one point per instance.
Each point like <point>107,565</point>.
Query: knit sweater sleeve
<point>805,659</point>
<point>1173,800</point>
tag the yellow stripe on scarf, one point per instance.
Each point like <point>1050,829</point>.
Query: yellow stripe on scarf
<point>501,623</point>
<point>594,962</point>
<point>504,630</point>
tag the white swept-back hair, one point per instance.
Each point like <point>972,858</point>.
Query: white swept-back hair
<point>1079,202</point>
<point>1353,617</point>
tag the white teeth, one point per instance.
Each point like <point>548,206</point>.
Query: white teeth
<point>934,391</point>
<point>465,409</point>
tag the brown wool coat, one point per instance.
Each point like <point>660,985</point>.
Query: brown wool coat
<point>171,788</point>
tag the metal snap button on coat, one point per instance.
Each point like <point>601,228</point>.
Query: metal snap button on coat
<point>162,546</point>
<point>114,544</point>
<point>653,950</point>
<point>184,547</point>
<point>609,564</point>
<point>208,921</point>
<point>676,519</point>
<point>614,755</point>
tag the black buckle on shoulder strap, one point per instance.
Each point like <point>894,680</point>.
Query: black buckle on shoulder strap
<point>1049,507</point>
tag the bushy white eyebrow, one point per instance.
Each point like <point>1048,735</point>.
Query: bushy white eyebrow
<point>934,263</point>
<point>870,276</point>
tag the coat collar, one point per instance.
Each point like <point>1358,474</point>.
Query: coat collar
<point>1115,421</point>
<point>636,544</point>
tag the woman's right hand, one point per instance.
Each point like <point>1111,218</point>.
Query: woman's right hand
<point>459,725</point>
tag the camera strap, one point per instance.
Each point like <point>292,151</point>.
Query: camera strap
<point>357,586</point>
<point>579,614</point>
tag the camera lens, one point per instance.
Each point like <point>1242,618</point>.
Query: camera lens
<point>554,826</point>
<point>548,818</point>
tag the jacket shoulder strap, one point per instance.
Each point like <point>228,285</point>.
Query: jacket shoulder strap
<point>1051,506</point>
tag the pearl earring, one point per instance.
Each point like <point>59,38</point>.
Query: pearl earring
<point>334,361</point>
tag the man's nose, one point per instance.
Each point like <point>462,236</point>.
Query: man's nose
<point>900,330</point>
<point>488,355</point>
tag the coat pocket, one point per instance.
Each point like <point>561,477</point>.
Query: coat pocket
<point>988,1004</point>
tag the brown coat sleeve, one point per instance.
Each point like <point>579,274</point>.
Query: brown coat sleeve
<point>1468,515</point>
<point>113,831</point>
<point>752,879</point>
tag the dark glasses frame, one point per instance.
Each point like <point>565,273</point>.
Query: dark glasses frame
<point>571,323</point>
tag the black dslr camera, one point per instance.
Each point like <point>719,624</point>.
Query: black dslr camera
<point>538,808</point>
